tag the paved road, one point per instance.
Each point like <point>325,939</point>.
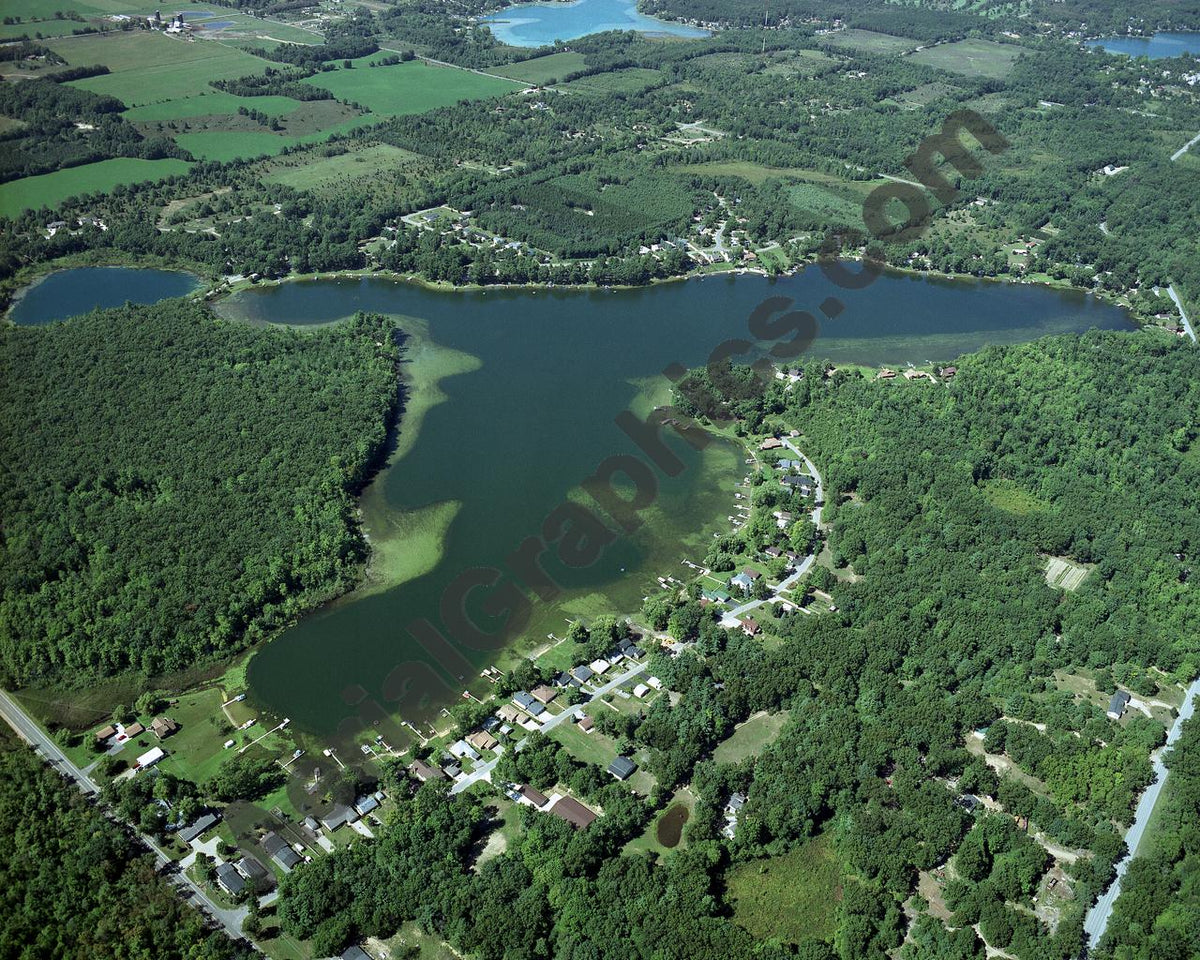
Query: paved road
<point>484,772</point>
<point>730,619</point>
<point>1184,149</point>
<point>45,747</point>
<point>1187,324</point>
<point>1097,918</point>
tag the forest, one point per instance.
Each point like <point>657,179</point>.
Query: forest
<point>76,885</point>
<point>178,485</point>
<point>946,626</point>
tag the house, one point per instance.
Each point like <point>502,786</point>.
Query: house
<point>452,770</point>
<point>251,869</point>
<point>751,573</point>
<point>742,582</point>
<point>462,750</point>
<point>587,724</point>
<point>197,827</point>
<point>1117,705</point>
<point>534,797</point>
<point>563,679</point>
<point>229,880</point>
<point>338,816</point>
<point>736,802</point>
<point>773,552</point>
<point>968,802</point>
<point>106,733</point>
<point>715,596</point>
<point>150,758</point>
<point>947,373</point>
<point>310,824</point>
<point>654,682</point>
<point>510,714</point>
<point>526,701</point>
<point>582,673</point>
<point>355,953</point>
<point>482,740</point>
<point>771,443</point>
<point>574,812</point>
<point>640,690</point>
<point>364,805</point>
<point>277,849</point>
<point>732,809</point>
<point>598,667</point>
<point>163,727</point>
<point>424,772</point>
<point>544,694</point>
<point>622,768</point>
<point>749,626</point>
<point>135,729</point>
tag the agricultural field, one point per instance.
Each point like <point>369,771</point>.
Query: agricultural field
<point>50,189</point>
<point>1065,574</point>
<point>209,104</point>
<point>232,138</point>
<point>750,738</point>
<point>632,80</point>
<point>406,88</point>
<point>822,202</point>
<point>543,70</point>
<point>975,58</point>
<point>148,67</point>
<point>37,29</point>
<point>793,897</point>
<point>927,93</point>
<point>868,41</point>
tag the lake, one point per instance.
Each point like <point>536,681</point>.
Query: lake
<point>1157,47</point>
<point>530,383</point>
<point>540,24</point>
<point>68,293</point>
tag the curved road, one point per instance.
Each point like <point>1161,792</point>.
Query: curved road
<point>1097,918</point>
<point>730,620</point>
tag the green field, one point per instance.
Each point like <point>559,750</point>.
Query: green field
<point>1006,495</point>
<point>148,67</point>
<point>46,28</point>
<point>225,145</point>
<point>633,80</point>
<point>50,189</point>
<point>751,738</point>
<point>210,103</point>
<point>405,88</point>
<point>544,69</point>
<point>976,58</point>
<point>868,41</point>
<point>793,897</point>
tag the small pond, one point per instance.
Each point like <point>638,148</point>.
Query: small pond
<point>68,293</point>
<point>670,825</point>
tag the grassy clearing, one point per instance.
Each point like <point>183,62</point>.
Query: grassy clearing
<point>1006,495</point>
<point>1065,574</point>
<point>51,189</point>
<point>224,145</point>
<point>868,41</point>
<point>591,747</point>
<point>358,164</point>
<point>541,70</point>
<point>755,173</point>
<point>406,88</point>
<point>633,80</point>
<point>793,897</point>
<point>975,58</point>
<point>927,93</point>
<point>750,738</point>
<point>803,63</point>
<point>148,67</point>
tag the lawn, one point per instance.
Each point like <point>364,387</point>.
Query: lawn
<point>975,58</point>
<point>406,88</point>
<point>50,189</point>
<point>149,67</point>
<point>541,70</point>
<point>793,897</point>
<point>868,41</point>
<point>750,738</point>
<point>196,750</point>
<point>591,747</point>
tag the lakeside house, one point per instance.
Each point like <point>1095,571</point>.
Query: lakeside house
<point>526,702</point>
<point>544,694</point>
<point>771,443</point>
<point>581,673</point>
<point>339,816</point>
<point>510,714</point>
<point>364,805</point>
<point>462,750</point>
<point>424,772</point>
<point>482,740</point>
